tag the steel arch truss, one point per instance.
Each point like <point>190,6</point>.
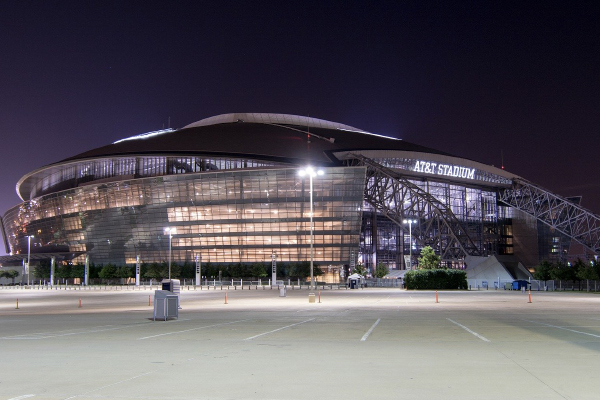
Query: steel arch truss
<point>397,198</point>
<point>555,211</point>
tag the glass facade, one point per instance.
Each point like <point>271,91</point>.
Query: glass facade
<point>477,209</point>
<point>230,210</point>
<point>120,168</point>
<point>227,216</point>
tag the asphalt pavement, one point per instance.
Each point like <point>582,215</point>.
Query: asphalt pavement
<point>355,344</point>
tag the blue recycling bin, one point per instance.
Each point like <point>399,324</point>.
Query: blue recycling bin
<point>519,284</point>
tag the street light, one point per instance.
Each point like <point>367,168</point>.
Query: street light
<point>28,256</point>
<point>410,222</point>
<point>170,231</point>
<point>311,172</point>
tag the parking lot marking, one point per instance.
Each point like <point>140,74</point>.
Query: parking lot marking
<point>366,335</point>
<point>25,396</point>
<point>112,384</point>
<point>279,329</point>
<point>47,335</point>
<point>468,330</point>
<point>562,327</point>
<point>192,329</point>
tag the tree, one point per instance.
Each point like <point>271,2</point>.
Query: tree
<point>188,270</point>
<point>126,271</point>
<point>428,259</point>
<point>543,271</point>
<point>560,272</point>
<point>78,271</point>
<point>108,272</point>
<point>94,271</point>
<point>381,270</point>
<point>587,272</point>
<point>10,274</point>
<point>302,270</point>
<point>208,269</point>
<point>156,271</point>
<point>359,269</point>
<point>42,270</point>
<point>238,270</point>
<point>258,270</point>
<point>64,271</point>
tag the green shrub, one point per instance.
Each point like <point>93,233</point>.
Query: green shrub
<point>436,279</point>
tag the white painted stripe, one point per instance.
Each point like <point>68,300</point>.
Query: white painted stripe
<point>25,396</point>
<point>562,327</point>
<point>191,329</point>
<point>279,329</point>
<point>366,335</point>
<point>468,330</point>
<point>35,336</point>
<point>112,384</point>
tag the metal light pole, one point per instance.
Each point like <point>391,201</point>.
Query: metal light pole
<point>28,256</point>
<point>310,171</point>
<point>170,231</point>
<point>410,222</point>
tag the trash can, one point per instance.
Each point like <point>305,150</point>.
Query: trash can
<point>311,297</point>
<point>519,284</point>
<point>282,291</point>
<point>166,305</point>
<point>173,286</point>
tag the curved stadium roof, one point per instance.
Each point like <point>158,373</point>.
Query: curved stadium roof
<point>280,138</point>
<point>276,137</point>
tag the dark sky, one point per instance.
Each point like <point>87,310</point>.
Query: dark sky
<point>474,79</point>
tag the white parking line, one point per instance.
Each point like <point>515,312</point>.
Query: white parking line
<point>468,330</point>
<point>562,327</point>
<point>25,396</point>
<point>192,329</point>
<point>279,329</point>
<point>37,336</point>
<point>112,384</point>
<point>366,335</point>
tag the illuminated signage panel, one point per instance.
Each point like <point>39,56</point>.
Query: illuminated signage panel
<point>455,171</point>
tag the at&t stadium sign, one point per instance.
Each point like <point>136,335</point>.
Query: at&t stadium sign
<point>454,171</point>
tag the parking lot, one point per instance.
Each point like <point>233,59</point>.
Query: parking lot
<point>355,344</point>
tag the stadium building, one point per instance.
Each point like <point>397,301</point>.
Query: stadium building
<point>228,190</point>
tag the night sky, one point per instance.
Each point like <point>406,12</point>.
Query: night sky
<point>476,80</point>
